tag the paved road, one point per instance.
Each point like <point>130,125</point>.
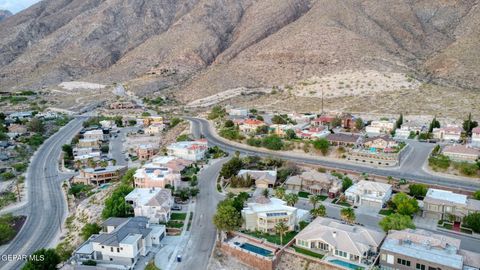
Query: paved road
<point>203,232</point>
<point>46,207</point>
<point>411,168</point>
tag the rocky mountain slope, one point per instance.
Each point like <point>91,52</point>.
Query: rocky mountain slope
<point>208,46</point>
<point>4,14</point>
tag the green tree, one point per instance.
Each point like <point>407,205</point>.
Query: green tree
<point>175,121</point>
<point>476,195</point>
<point>290,134</point>
<point>359,124</point>
<point>320,211</point>
<point>217,112</point>
<point>336,122</point>
<point>68,150</point>
<point>314,199</point>
<point>472,221</point>
<point>348,215</point>
<point>434,124</point>
<point>50,260</point>
<point>231,167</point>
<point>272,142</point>
<point>279,120</point>
<point>418,190</point>
<point>404,204</point>
<point>291,199</point>
<point>280,193</point>
<point>35,125</point>
<point>399,122</point>
<point>146,114</point>
<point>322,144</point>
<point>64,250</point>
<point>89,229</point>
<point>468,124</point>
<point>6,233</point>
<point>115,205</point>
<point>281,229</point>
<point>346,183</point>
<point>266,193</point>
<point>227,218</point>
<point>229,124</point>
<point>396,222</point>
<point>261,130</point>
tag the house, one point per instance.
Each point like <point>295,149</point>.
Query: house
<point>238,112</point>
<point>17,129</point>
<point>369,193</point>
<point>314,182</point>
<point>424,250</point>
<point>47,115</point>
<point>461,153</point>
<point>79,151</point>
<point>84,158</point>
<point>89,143</point>
<point>313,133</point>
<point>150,120</point>
<point>146,151</point>
<point>189,150</point>
<point>153,203</point>
<point>175,164</point>
<point>96,134</point>
<point>155,129</point>
<point>444,204</point>
<point>263,179</point>
<point>380,143</point>
<point>109,124</point>
<point>19,116</point>
<point>98,176</point>
<point>409,127</point>
<point>264,213</point>
<point>248,126</point>
<point>448,133</point>
<point>379,127</point>
<point>154,175</point>
<point>122,242</point>
<point>343,139</point>
<point>352,243</point>
<point>476,137</point>
<point>122,105</point>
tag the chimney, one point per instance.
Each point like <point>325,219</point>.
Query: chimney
<point>334,234</point>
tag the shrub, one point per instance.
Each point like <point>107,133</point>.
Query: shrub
<point>272,142</point>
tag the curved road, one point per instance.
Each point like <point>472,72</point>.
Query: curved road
<point>46,207</point>
<point>411,170</point>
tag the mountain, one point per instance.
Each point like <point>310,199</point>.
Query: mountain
<point>208,46</point>
<point>4,14</point>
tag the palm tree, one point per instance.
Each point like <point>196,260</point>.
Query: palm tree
<point>314,199</point>
<point>321,211</point>
<point>266,192</point>
<point>280,192</point>
<point>291,199</point>
<point>281,228</point>
<point>348,215</point>
<point>91,163</point>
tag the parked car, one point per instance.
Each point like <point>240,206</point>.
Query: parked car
<point>177,208</point>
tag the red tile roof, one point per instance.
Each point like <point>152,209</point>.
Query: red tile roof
<point>253,122</point>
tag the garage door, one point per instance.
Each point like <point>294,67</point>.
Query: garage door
<point>372,204</point>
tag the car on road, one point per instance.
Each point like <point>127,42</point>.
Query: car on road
<point>177,207</point>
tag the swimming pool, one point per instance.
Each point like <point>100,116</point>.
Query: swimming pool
<point>256,249</point>
<point>347,264</point>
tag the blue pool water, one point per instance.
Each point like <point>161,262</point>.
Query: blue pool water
<point>256,249</point>
<point>347,264</point>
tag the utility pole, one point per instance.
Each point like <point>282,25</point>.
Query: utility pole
<point>322,100</point>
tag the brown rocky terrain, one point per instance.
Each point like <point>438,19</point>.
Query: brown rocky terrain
<point>196,48</point>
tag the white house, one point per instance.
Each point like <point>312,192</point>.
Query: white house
<point>122,242</point>
<point>369,193</point>
<point>154,129</point>
<point>96,134</point>
<point>448,133</point>
<point>411,126</point>
<point>189,150</point>
<point>349,242</point>
<point>476,137</point>
<point>153,203</point>
<point>379,127</point>
<point>238,112</point>
<point>264,213</point>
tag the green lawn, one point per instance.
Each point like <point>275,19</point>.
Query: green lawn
<point>322,197</point>
<point>178,216</point>
<point>175,224</point>
<point>386,212</point>
<point>303,194</point>
<point>344,204</point>
<point>307,252</point>
<point>273,238</point>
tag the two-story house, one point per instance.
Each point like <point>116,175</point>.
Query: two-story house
<point>122,242</point>
<point>189,150</point>
<point>448,133</point>
<point>379,127</point>
<point>369,193</point>
<point>153,203</point>
<point>445,204</point>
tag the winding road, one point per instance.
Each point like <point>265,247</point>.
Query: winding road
<point>46,207</point>
<point>410,169</point>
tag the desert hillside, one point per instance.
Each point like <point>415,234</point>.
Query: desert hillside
<point>197,48</point>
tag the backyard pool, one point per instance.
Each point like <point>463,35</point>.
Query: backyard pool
<point>256,249</point>
<point>347,264</point>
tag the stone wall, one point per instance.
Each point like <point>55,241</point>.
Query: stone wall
<point>249,258</point>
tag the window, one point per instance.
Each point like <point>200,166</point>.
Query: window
<point>420,266</point>
<point>383,257</point>
<point>118,249</point>
<point>111,249</point>
<point>403,262</point>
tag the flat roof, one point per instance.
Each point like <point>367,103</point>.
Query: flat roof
<point>446,195</point>
<point>142,195</point>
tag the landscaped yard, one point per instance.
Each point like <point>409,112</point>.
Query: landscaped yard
<point>303,194</point>
<point>386,212</point>
<point>307,252</point>
<point>178,216</point>
<point>175,224</point>
<point>273,238</point>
